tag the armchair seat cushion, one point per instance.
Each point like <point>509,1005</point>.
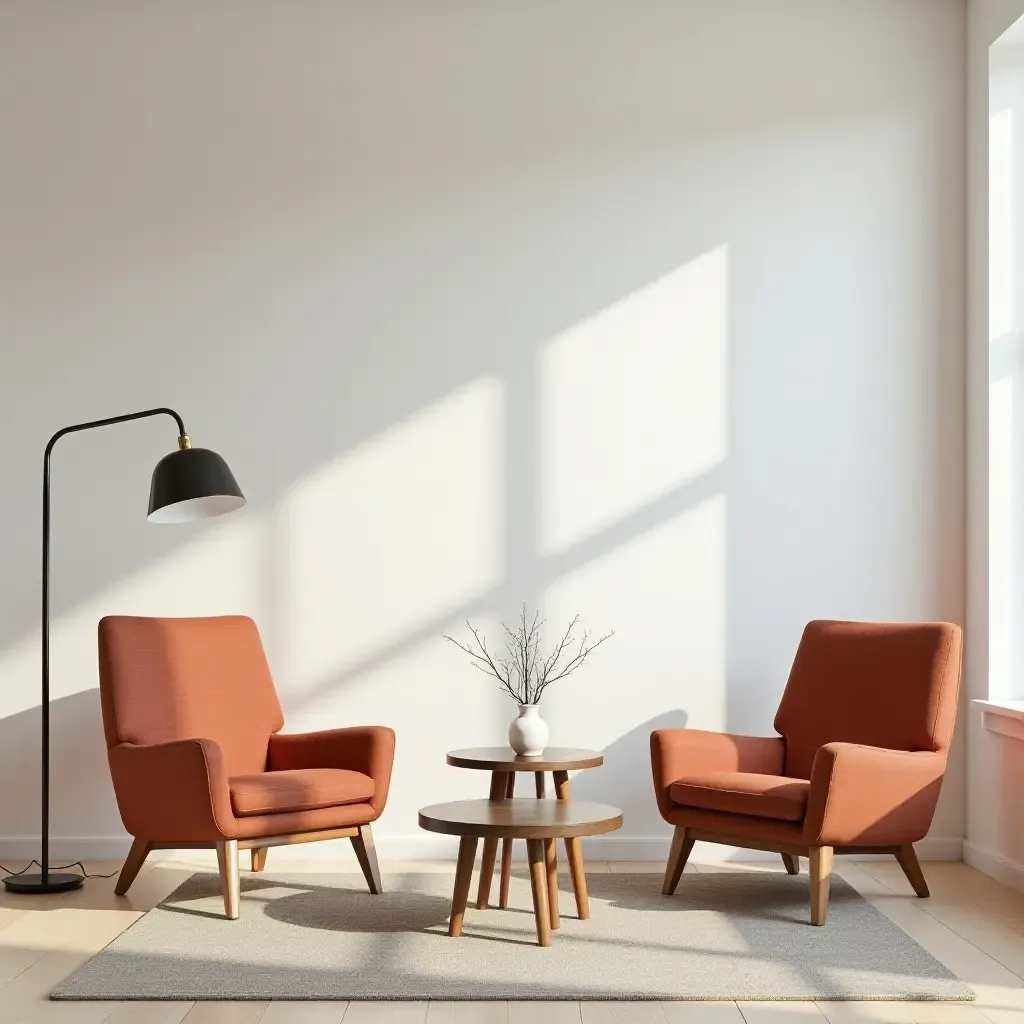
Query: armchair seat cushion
<point>298,789</point>
<point>758,796</point>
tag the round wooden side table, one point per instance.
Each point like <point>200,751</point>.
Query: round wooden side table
<point>503,763</point>
<point>539,822</point>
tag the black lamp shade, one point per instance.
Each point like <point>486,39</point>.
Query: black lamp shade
<point>193,483</point>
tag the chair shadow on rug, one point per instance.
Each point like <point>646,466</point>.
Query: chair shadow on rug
<point>781,899</point>
<point>317,906</point>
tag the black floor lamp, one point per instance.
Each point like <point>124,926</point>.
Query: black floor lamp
<point>190,483</point>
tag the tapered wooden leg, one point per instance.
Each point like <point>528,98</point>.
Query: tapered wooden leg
<point>506,872</point>
<point>821,878</point>
<point>551,865</point>
<point>506,851</point>
<point>907,857</point>
<point>366,854</point>
<point>792,862</point>
<point>259,857</point>
<point>535,852</point>
<point>133,865</point>
<point>574,854</point>
<point>677,855</point>
<point>463,880</point>
<point>538,781</point>
<point>483,894</point>
<point>227,861</point>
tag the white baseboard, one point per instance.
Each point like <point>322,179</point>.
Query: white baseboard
<point>427,846</point>
<point>995,865</point>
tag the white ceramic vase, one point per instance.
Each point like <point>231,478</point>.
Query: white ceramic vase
<point>528,734</point>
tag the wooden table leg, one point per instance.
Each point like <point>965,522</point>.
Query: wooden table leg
<point>574,853</point>
<point>483,894</point>
<point>535,852</point>
<point>463,879</point>
<point>551,863</point>
<point>506,850</point>
<point>538,778</point>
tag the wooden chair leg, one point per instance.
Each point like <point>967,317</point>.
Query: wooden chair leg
<point>677,856</point>
<point>821,878</point>
<point>538,780</point>
<point>463,880</point>
<point>366,854</point>
<point>907,857</point>
<point>535,852</point>
<point>792,862</point>
<point>227,861</point>
<point>133,865</point>
<point>259,857</point>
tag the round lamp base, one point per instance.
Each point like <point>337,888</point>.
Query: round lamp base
<point>34,883</point>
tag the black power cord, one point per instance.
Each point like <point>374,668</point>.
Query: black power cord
<point>56,867</point>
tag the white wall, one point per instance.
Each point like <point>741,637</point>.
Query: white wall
<point>647,311</point>
<point>995,763</point>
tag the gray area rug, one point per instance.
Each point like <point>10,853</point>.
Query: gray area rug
<point>722,936</point>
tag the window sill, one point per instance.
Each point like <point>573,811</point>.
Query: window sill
<point>1005,717</point>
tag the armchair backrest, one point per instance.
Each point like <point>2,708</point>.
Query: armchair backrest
<point>203,678</point>
<point>892,685</point>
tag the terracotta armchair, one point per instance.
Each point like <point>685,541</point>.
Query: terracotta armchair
<point>865,724</point>
<point>192,725</point>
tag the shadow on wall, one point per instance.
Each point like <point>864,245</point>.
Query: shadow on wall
<point>623,781</point>
<point>460,357</point>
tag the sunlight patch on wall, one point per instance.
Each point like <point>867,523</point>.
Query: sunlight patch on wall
<point>218,573</point>
<point>390,537</point>
<point>633,401</point>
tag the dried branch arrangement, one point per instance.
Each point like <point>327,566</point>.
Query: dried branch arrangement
<point>522,672</point>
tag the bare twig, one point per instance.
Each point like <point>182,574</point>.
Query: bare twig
<point>525,674</point>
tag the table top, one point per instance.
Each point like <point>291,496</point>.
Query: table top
<point>505,759</point>
<point>521,819</point>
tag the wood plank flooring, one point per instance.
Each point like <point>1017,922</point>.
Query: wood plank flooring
<point>974,925</point>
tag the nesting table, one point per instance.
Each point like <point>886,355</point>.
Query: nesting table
<point>539,822</point>
<point>503,763</point>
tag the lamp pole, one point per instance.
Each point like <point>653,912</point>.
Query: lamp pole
<point>47,881</point>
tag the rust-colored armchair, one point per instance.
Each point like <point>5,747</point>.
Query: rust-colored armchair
<point>192,725</point>
<point>865,721</point>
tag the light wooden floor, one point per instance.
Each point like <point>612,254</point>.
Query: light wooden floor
<point>972,924</point>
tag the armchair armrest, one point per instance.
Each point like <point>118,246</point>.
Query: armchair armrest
<point>173,792</point>
<point>369,749</point>
<point>872,796</point>
<point>677,753</point>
